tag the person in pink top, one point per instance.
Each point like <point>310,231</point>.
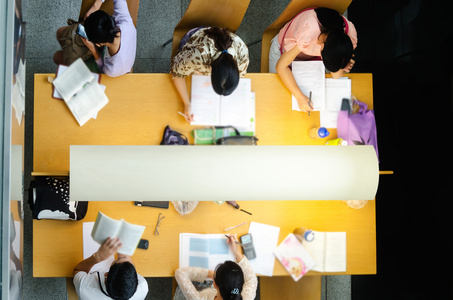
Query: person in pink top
<point>314,34</point>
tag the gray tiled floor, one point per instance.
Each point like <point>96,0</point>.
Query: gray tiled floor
<point>155,24</point>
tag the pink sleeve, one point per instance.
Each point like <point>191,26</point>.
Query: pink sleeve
<point>302,38</point>
<point>303,32</point>
<point>352,33</point>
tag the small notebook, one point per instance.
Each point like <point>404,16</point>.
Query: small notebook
<point>294,258</point>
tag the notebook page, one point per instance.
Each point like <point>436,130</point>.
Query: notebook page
<point>205,102</point>
<point>310,76</point>
<point>265,239</point>
<point>236,109</point>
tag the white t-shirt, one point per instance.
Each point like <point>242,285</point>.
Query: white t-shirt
<point>87,286</point>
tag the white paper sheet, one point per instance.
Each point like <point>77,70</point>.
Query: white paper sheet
<point>328,249</point>
<point>265,239</point>
<point>310,76</point>
<point>90,246</point>
<point>336,90</point>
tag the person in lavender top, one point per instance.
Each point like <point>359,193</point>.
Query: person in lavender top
<point>111,39</point>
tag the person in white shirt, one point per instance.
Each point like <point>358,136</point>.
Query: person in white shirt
<point>120,282</point>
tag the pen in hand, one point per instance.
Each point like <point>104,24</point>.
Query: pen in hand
<point>310,103</point>
<point>240,244</point>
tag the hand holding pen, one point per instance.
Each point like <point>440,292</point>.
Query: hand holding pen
<point>310,103</point>
<point>233,242</point>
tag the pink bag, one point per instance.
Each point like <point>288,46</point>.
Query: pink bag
<point>358,128</point>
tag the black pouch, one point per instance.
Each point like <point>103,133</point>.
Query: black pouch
<point>237,139</point>
<point>171,137</point>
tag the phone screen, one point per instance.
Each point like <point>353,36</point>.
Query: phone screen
<point>81,31</point>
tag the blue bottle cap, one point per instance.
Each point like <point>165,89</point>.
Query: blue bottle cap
<point>323,132</point>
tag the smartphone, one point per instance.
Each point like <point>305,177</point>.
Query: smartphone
<point>81,31</point>
<point>143,244</point>
<point>249,249</point>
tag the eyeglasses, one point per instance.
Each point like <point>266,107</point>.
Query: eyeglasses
<point>159,218</point>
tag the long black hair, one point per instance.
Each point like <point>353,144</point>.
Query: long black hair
<point>229,278</point>
<point>100,27</point>
<point>225,71</point>
<point>338,49</point>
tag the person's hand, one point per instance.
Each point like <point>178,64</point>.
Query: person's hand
<point>349,66</point>
<point>96,6</point>
<point>89,44</point>
<point>210,274</point>
<point>108,248</point>
<point>235,248</point>
<point>304,104</point>
<point>188,112</point>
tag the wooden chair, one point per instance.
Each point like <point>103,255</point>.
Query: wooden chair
<point>291,10</point>
<point>72,294</point>
<point>220,13</point>
<point>284,287</point>
<point>107,6</point>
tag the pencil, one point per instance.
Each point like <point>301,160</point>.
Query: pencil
<point>309,103</point>
<point>232,227</point>
<point>183,115</point>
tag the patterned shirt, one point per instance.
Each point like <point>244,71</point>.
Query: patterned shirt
<point>196,55</point>
<point>185,276</point>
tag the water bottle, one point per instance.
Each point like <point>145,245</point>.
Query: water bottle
<point>318,133</point>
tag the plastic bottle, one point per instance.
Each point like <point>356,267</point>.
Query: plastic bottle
<point>318,133</point>
<point>337,142</point>
<point>304,233</point>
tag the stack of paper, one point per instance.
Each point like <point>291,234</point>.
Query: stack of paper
<point>327,93</point>
<point>203,250</point>
<point>81,92</point>
<point>209,108</point>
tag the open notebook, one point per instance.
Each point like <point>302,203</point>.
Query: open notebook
<point>209,108</point>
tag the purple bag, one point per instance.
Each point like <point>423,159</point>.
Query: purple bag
<point>358,128</point>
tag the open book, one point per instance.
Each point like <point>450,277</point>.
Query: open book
<point>81,92</point>
<point>294,258</point>
<point>203,250</point>
<point>209,108</point>
<point>328,249</point>
<point>327,93</point>
<point>60,70</point>
<point>129,234</point>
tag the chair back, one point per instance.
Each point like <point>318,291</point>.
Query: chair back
<point>291,10</point>
<point>107,6</point>
<point>219,13</point>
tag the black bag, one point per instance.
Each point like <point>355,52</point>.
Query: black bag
<point>172,137</point>
<point>48,198</point>
<point>237,139</point>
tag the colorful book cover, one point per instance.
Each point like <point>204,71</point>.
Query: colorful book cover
<point>294,258</point>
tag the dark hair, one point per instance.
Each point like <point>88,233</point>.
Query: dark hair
<point>224,69</point>
<point>230,279</point>
<point>329,19</point>
<point>100,27</point>
<point>337,51</point>
<point>122,281</point>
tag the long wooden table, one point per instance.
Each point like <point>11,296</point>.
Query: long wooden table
<point>140,107</point>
